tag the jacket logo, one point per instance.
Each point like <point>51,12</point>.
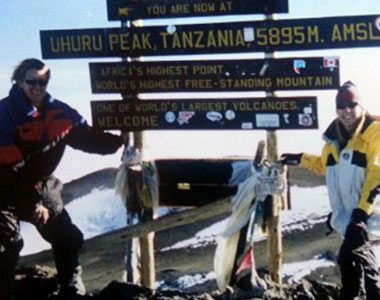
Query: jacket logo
<point>346,156</point>
<point>377,161</point>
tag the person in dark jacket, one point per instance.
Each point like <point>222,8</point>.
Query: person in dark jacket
<point>350,161</point>
<point>34,131</point>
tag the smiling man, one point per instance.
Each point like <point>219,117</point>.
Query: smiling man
<point>34,131</point>
<point>34,84</point>
<point>350,162</point>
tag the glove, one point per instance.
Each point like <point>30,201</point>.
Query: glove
<point>359,216</point>
<point>291,159</point>
<point>356,233</point>
<point>92,140</point>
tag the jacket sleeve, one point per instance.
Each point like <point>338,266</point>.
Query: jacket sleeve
<point>88,139</point>
<point>371,184</point>
<point>315,163</point>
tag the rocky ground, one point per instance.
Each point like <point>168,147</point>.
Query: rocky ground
<point>102,259</point>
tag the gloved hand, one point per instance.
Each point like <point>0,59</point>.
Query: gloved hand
<point>356,233</point>
<point>291,159</point>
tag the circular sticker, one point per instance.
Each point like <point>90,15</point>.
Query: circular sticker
<point>171,29</point>
<point>377,23</point>
<point>170,117</point>
<point>230,115</point>
<point>305,120</point>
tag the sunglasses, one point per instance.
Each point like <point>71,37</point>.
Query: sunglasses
<point>343,105</point>
<point>33,82</point>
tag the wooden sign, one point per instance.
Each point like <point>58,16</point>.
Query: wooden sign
<point>257,36</point>
<point>309,73</point>
<point>221,114</point>
<point>153,9</point>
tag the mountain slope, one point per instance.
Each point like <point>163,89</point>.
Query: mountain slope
<point>103,256</point>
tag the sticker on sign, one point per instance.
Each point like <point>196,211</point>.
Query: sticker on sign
<point>267,120</point>
<point>249,34</point>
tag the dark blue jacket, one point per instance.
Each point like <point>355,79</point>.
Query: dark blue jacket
<point>32,142</point>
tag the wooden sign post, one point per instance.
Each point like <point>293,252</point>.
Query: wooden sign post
<point>274,239</point>
<point>147,261</point>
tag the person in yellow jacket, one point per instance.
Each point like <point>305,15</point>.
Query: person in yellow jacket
<point>350,161</point>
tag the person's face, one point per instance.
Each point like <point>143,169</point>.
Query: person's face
<point>349,114</point>
<point>34,85</point>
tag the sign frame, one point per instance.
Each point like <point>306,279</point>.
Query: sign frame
<point>296,73</point>
<point>124,10</point>
<point>236,37</point>
<point>208,114</point>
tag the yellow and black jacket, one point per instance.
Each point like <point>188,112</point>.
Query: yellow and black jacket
<point>352,173</point>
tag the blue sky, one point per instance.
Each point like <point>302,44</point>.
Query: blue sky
<point>19,38</point>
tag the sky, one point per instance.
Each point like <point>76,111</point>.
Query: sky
<point>19,36</point>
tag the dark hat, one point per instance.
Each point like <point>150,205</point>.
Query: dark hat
<point>347,94</point>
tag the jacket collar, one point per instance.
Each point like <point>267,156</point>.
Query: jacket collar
<point>19,97</point>
<point>331,133</point>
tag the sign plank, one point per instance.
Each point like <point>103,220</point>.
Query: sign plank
<point>152,9</point>
<point>210,114</point>
<point>256,36</point>
<point>311,73</point>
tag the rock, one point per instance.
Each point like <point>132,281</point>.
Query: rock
<point>39,283</point>
<point>35,283</point>
<point>306,289</point>
<point>119,290</point>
